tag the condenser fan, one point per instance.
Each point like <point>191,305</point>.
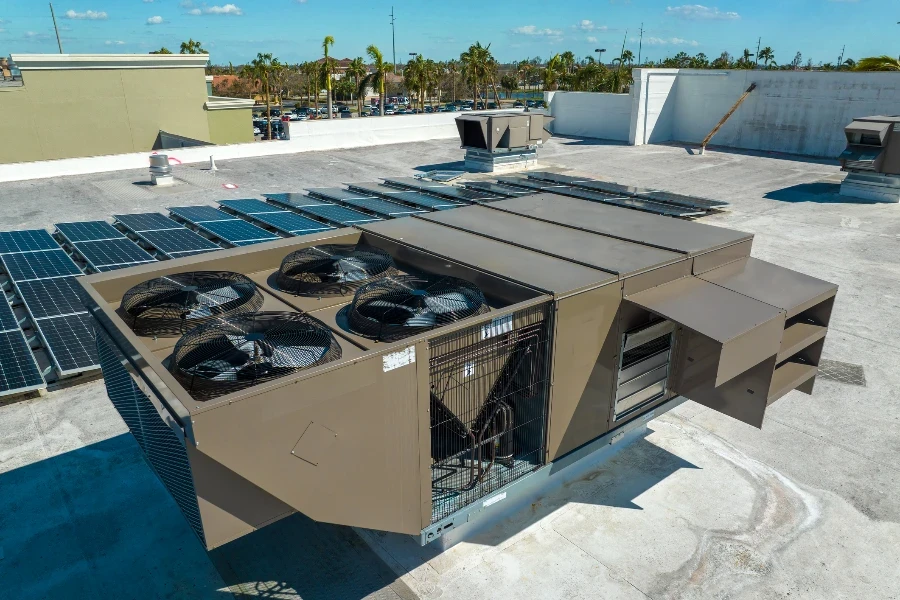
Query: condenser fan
<point>333,269</point>
<point>392,308</point>
<point>242,351</point>
<point>177,303</point>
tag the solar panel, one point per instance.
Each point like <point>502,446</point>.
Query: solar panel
<point>200,214</point>
<point>27,240</point>
<point>499,189</point>
<point>88,231</point>
<point>383,208</point>
<point>147,222</point>
<point>181,242</point>
<point>51,297</point>
<point>338,214</point>
<point>18,370</point>
<point>8,319</point>
<point>292,223</point>
<point>248,207</point>
<point>69,341</point>
<point>105,253</point>
<point>292,199</point>
<point>26,266</point>
<point>236,230</point>
<point>682,200</point>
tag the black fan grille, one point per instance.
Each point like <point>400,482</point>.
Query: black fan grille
<point>396,307</point>
<point>177,303</point>
<point>333,269</point>
<point>239,352</point>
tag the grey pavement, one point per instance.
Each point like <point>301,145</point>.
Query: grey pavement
<point>700,507</point>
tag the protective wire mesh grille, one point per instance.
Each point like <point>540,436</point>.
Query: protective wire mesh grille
<point>393,308</point>
<point>333,269</point>
<point>489,396</point>
<point>174,304</point>
<point>162,448</point>
<point>239,352</point>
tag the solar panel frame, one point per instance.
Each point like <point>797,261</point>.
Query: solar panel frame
<point>200,214</point>
<point>46,298</point>
<point>44,264</point>
<point>248,206</point>
<point>19,371</point>
<point>141,222</point>
<point>112,252</point>
<point>290,223</point>
<point>180,242</point>
<point>340,215</point>
<point>26,240</point>
<point>235,231</point>
<point>69,341</point>
<point>87,231</point>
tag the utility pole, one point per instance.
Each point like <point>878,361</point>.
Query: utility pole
<point>393,40</point>
<point>55,28</point>
<point>640,44</point>
<point>758,44</point>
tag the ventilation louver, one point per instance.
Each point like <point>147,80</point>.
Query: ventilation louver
<point>243,351</point>
<point>333,269</point>
<point>177,303</point>
<point>393,308</point>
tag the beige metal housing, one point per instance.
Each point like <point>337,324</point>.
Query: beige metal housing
<point>637,309</point>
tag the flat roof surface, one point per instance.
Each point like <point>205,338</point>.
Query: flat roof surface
<point>543,272</point>
<point>687,237</point>
<point>612,255</point>
<point>697,506</point>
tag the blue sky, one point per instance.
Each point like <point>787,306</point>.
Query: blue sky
<point>234,31</point>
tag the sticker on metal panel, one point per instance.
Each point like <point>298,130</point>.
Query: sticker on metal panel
<point>395,360</point>
<point>497,326</point>
<point>494,500</point>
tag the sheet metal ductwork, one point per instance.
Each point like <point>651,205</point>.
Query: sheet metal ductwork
<point>592,316</point>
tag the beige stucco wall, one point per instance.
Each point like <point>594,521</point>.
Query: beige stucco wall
<point>230,126</point>
<point>90,112</point>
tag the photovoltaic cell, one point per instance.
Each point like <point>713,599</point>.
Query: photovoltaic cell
<point>105,253</point>
<point>39,265</point>
<point>26,241</point>
<point>200,214</point>
<point>248,207</point>
<point>141,222</point>
<point>181,241</point>
<point>338,214</point>
<point>292,223</point>
<point>70,342</point>
<point>8,319</point>
<point>51,297</point>
<point>236,230</point>
<point>88,231</point>
<point>18,369</point>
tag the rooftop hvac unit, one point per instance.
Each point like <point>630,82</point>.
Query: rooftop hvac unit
<point>397,376</point>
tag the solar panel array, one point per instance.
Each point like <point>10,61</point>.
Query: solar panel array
<point>43,276</point>
<point>377,206</point>
<point>169,238</point>
<point>284,221</point>
<point>223,226</point>
<point>102,246</point>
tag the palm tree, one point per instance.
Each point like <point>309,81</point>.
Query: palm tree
<point>381,70</point>
<point>767,55</point>
<point>192,47</point>
<point>878,63</point>
<point>357,70</point>
<point>327,43</point>
<point>262,67</point>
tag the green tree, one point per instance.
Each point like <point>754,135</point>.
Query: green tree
<point>878,63</point>
<point>191,47</point>
<point>162,50</point>
<point>262,68</point>
<point>766,55</point>
<point>327,43</point>
<point>381,70</point>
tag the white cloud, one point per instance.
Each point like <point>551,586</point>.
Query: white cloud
<point>672,41</point>
<point>225,9</point>
<point>534,31</point>
<point>592,39</point>
<point>154,20</point>
<point>90,15</point>
<point>114,43</point>
<point>698,12</point>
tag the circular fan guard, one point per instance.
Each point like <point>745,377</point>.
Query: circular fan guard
<point>242,351</point>
<point>333,269</point>
<point>393,308</point>
<point>174,304</point>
